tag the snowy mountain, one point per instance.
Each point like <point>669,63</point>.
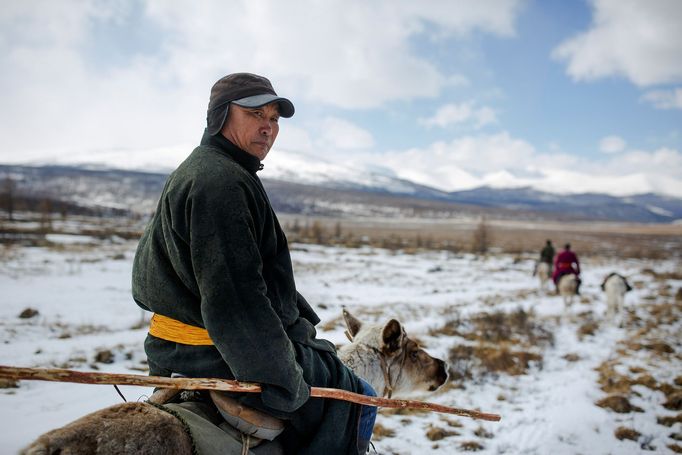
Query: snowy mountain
<point>643,208</point>
<point>299,186</point>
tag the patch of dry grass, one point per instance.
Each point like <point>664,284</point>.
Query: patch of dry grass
<point>503,360</point>
<point>587,329</point>
<point>627,433</point>
<point>669,421</point>
<point>612,382</point>
<point>450,422</point>
<point>675,448</point>
<point>619,404</point>
<point>481,432</point>
<point>381,432</point>
<point>674,401</point>
<point>495,343</point>
<point>8,384</point>
<point>515,328</point>
<point>508,236</point>
<point>663,276</point>
<point>647,381</point>
<point>434,433</point>
<point>471,446</point>
<point>468,362</point>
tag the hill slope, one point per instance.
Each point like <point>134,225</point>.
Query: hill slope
<point>341,192</point>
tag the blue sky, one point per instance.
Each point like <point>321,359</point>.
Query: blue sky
<point>567,96</point>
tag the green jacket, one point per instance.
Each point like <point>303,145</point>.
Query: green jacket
<point>215,256</point>
<point>547,254</point>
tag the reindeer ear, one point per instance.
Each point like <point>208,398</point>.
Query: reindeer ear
<point>392,336</point>
<point>628,288</point>
<point>352,323</point>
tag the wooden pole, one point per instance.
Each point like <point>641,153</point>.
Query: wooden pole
<point>61,375</point>
<point>345,395</point>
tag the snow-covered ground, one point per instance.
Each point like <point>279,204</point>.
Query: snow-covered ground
<point>81,292</point>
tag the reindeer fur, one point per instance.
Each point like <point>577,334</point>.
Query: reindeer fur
<point>122,428</point>
<point>615,286</point>
<point>542,271</point>
<point>568,285</point>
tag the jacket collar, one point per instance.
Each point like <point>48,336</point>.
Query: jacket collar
<point>244,159</point>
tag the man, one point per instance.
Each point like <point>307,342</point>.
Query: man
<point>214,267</point>
<point>547,255</point>
<point>566,262</point>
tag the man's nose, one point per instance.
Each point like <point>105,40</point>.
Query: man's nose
<point>266,127</point>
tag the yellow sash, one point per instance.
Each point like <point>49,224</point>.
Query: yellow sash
<point>173,330</point>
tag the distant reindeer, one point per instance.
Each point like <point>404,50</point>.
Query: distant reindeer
<point>542,272</point>
<point>615,286</point>
<point>568,286</point>
<point>383,355</point>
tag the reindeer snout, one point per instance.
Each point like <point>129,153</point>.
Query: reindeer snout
<point>441,375</point>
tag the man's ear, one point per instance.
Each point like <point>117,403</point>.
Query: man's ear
<point>392,337</point>
<point>352,323</point>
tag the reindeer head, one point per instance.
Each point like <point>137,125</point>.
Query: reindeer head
<point>407,367</point>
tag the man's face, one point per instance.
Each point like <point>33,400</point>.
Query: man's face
<point>253,130</point>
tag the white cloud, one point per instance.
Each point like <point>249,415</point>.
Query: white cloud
<point>664,99</point>
<point>461,163</point>
<point>640,40</point>
<point>612,144</point>
<point>492,16</point>
<point>572,181</point>
<point>452,114</point>
<point>501,160</point>
<point>292,137</point>
<point>339,134</point>
<point>485,116</point>
<point>660,162</point>
<point>353,54</point>
<point>58,102</point>
<point>447,115</point>
<point>60,93</point>
<point>457,80</point>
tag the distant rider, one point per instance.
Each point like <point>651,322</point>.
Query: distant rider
<point>565,263</point>
<point>547,255</point>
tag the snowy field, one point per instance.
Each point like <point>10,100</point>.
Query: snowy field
<point>544,379</point>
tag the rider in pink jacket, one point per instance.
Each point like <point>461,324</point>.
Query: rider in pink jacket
<point>566,262</point>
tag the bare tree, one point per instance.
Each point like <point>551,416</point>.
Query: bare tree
<point>481,237</point>
<point>45,209</point>
<point>9,196</point>
<point>317,232</point>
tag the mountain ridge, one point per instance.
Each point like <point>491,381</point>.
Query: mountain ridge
<point>366,194</point>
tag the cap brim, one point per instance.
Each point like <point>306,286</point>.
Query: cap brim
<point>286,107</point>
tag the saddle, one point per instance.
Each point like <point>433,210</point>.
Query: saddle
<point>250,421</point>
<point>252,429</point>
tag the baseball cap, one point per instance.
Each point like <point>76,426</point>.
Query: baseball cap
<point>243,89</point>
